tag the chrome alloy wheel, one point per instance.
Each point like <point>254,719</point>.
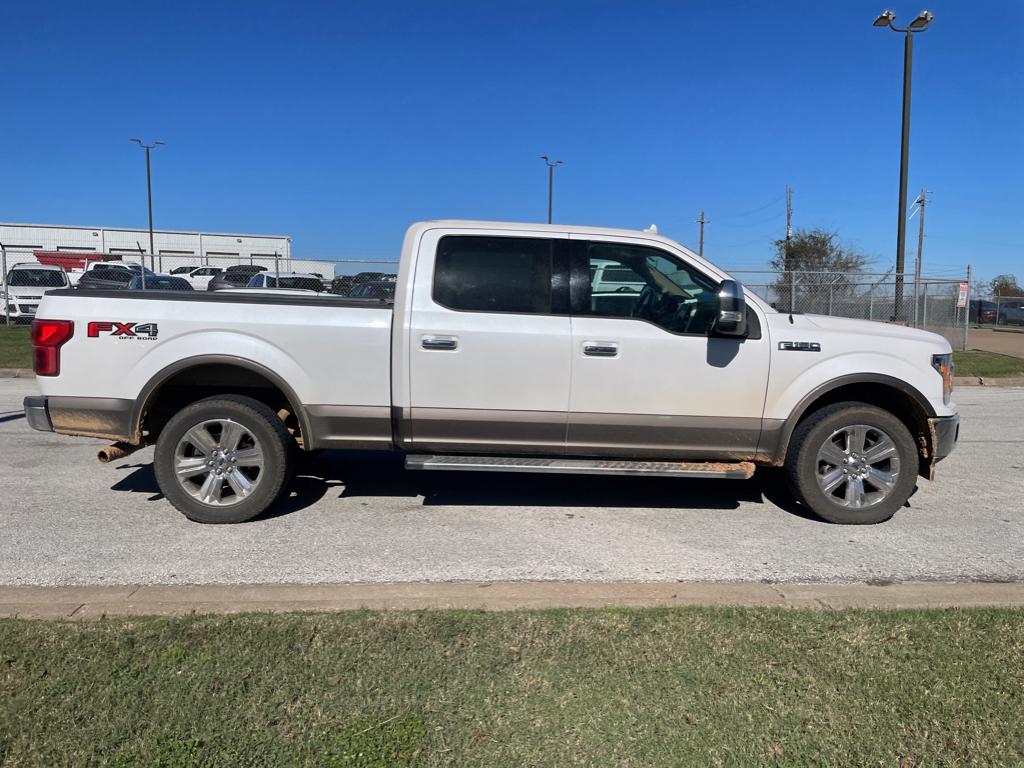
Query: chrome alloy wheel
<point>858,466</point>
<point>218,462</point>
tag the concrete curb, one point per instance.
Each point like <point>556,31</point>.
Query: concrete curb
<point>16,373</point>
<point>80,603</point>
<point>979,381</point>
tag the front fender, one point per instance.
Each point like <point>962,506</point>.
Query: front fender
<point>787,393</point>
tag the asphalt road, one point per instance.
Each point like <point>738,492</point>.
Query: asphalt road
<point>67,520</point>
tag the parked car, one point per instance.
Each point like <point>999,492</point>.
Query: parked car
<point>614,288</point>
<point>24,286</point>
<point>342,284</point>
<point>377,289</point>
<point>1011,313</point>
<point>160,283</point>
<point>235,276</point>
<point>367,277</point>
<point>295,280</point>
<point>198,277</point>
<point>111,275</point>
<point>982,311</point>
<point>492,357</point>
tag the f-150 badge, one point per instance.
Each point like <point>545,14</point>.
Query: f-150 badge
<point>800,346</point>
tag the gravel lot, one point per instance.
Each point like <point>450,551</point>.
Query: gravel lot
<point>66,520</point>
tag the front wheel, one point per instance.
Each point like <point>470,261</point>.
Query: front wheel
<point>224,459</point>
<point>852,463</point>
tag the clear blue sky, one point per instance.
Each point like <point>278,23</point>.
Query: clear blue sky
<point>340,123</point>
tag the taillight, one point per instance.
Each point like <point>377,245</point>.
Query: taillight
<point>48,336</point>
<point>944,365</point>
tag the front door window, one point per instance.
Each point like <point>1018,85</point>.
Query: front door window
<point>641,283</point>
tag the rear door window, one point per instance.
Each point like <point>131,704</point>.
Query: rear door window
<point>494,274</point>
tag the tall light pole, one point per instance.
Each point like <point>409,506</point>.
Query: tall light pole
<point>920,24</point>
<point>551,180</point>
<point>149,197</point>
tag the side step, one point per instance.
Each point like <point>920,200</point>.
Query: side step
<point>741,470</point>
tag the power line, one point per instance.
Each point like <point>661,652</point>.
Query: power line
<point>752,211</point>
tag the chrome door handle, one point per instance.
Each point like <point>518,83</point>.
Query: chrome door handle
<point>440,342</point>
<point>600,349</point>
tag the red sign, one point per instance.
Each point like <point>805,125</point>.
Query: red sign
<point>961,299</point>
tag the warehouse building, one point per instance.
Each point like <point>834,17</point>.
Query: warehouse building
<point>172,248</point>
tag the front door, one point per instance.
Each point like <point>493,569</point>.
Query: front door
<point>649,378</point>
<point>489,344</point>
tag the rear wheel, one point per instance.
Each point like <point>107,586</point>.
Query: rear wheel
<point>852,463</point>
<point>223,459</point>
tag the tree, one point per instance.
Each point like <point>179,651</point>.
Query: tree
<point>814,271</point>
<point>1006,285</point>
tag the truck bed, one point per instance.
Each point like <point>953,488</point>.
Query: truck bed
<point>333,353</point>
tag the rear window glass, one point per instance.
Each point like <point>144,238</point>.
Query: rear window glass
<point>494,274</point>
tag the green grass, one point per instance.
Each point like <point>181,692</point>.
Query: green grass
<point>664,687</point>
<point>988,364</point>
<point>15,346</point>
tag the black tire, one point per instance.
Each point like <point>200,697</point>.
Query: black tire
<point>262,427</point>
<point>803,466</point>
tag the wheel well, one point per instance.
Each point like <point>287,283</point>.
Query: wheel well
<point>892,399</point>
<point>206,380</point>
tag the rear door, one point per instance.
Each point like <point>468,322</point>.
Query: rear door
<point>489,343</point>
<point>650,379</point>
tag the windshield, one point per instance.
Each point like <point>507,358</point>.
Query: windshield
<point>37,278</point>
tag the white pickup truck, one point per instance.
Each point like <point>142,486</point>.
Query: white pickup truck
<point>498,354</point>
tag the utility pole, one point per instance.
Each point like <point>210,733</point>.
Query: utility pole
<point>789,214</point>
<point>920,203</point>
<point>786,262</point>
<point>551,180</point>
<point>788,223</point>
<point>702,221</point>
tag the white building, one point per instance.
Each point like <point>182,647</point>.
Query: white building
<point>172,248</point>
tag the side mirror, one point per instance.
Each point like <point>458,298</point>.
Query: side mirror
<point>732,310</point>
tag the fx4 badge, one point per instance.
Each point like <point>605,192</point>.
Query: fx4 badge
<point>800,346</point>
<point>144,331</point>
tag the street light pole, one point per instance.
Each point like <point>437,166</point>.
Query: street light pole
<point>149,199</point>
<point>551,180</point>
<point>920,24</point>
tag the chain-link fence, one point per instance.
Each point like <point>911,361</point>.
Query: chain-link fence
<point>940,306</point>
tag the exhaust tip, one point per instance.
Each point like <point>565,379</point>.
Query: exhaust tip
<point>114,452</point>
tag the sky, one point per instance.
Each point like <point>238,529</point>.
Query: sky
<point>340,123</point>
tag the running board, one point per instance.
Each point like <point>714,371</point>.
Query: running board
<point>741,470</point>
